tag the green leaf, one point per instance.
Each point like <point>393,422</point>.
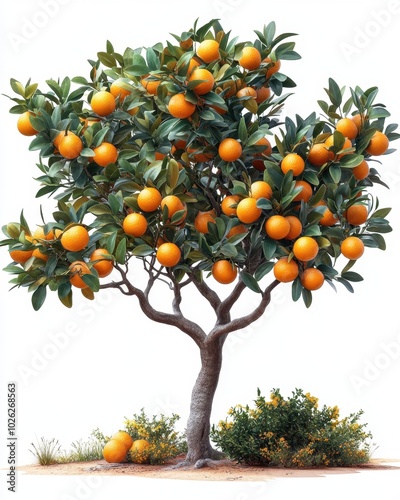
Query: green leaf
<point>242,131</point>
<point>92,281</point>
<point>334,93</point>
<point>38,297</point>
<point>67,300</point>
<point>107,59</point>
<point>352,276</point>
<point>263,270</point>
<point>172,173</point>
<point>250,282</point>
<point>307,297</point>
<point>351,160</point>
<point>142,250</point>
<point>269,248</point>
<point>17,87</point>
<point>120,253</point>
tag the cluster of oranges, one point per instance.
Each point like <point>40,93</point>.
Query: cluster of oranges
<point>122,447</point>
<point>196,195</point>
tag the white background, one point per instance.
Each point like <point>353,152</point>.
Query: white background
<point>345,349</point>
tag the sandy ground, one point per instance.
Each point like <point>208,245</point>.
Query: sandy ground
<point>222,471</point>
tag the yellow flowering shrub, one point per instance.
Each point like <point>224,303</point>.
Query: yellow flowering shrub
<point>292,432</point>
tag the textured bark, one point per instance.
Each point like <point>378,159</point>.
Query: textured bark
<point>198,426</point>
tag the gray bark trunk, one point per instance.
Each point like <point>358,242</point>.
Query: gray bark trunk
<point>198,427</point>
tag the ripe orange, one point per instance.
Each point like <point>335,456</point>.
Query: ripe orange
<point>40,255</point>
<point>193,63</point>
<point>312,278</point>
<point>346,145</point>
<point>347,127</point>
<point>260,189</point>
<point>273,66</point>
<point>24,125</point>
<point>263,93</point>
<point>328,218</point>
<point>134,224</point>
<point>179,107</point>
<point>39,234</point>
<point>239,229</point>
<point>202,220</point>
<point>352,247</point>
<point>247,210</point>
<point>119,91</point>
<point>77,269</point>
<point>224,271</point>
<point>306,192</point>
<point>277,227</point>
<point>206,85</point>
<point>359,121</point>
<point>231,87</point>
<point>173,204</point>
<point>21,256</point>
<point>103,262</point>
<point>70,145</point>
<point>103,103</point>
<point>149,199</point>
<point>150,85</point>
<point>124,437</point>
<point>285,270</point>
<point>305,248</point>
<point>293,162</point>
<point>356,214</point>
<point>168,254</point>
<point>139,451</point>
<point>75,238</point>
<point>230,149</point>
<point>208,51</point>
<point>250,58</point>
<point>361,171</point>
<point>246,92</point>
<point>228,205</point>
<point>378,145</point>
<point>319,155</point>
<point>267,149</point>
<point>104,154</point>
<point>186,44</point>
<point>296,227</point>
<point>114,451</point>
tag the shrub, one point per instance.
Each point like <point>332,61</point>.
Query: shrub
<point>165,441</point>
<point>46,451</point>
<point>292,432</point>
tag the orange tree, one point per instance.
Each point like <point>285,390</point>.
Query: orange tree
<point>177,157</point>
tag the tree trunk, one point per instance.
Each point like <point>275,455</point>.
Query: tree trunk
<point>198,427</point>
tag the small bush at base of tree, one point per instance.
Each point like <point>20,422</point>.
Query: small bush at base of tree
<point>292,432</point>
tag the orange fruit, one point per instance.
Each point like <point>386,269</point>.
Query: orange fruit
<point>186,44</point>
<point>197,154</point>
<point>230,149</point>
<point>179,107</point>
<point>239,229</point>
<point>39,234</point>
<point>228,205</point>
<point>260,189</point>
<point>208,51</point>
<point>273,66</point>
<point>319,155</point>
<point>246,92</point>
<point>296,227</point>
<point>305,248</point>
<point>312,278</point>
<point>139,451</point>
<point>346,145</point>
<point>231,87</point>
<point>21,256</point>
<point>102,262</point>
<point>104,154</point>
<point>378,145</point>
<point>352,247</point>
<point>263,93</point>
<point>202,220</point>
<point>70,146</point>
<point>306,192</point>
<point>250,58</point>
<point>356,214</point>
<point>359,121</point>
<point>150,85</point>
<point>75,238</point>
<point>224,271</point>
<point>193,63</point>
<point>124,437</point>
<point>267,151</point>
<point>277,227</point>
<point>77,269</point>
<point>247,210</point>
<point>114,451</point>
<point>103,103</point>
<point>24,125</point>
<point>328,218</point>
<point>206,85</point>
<point>173,204</point>
<point>118,91</point>
<point>168,254</point>
<point>285,270</point>
<point>149,199</point>
<point>347,127</point>
<point>361,171</point>
<point>40,255</point>
<point>134,224</point>
<point>293,162</point>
